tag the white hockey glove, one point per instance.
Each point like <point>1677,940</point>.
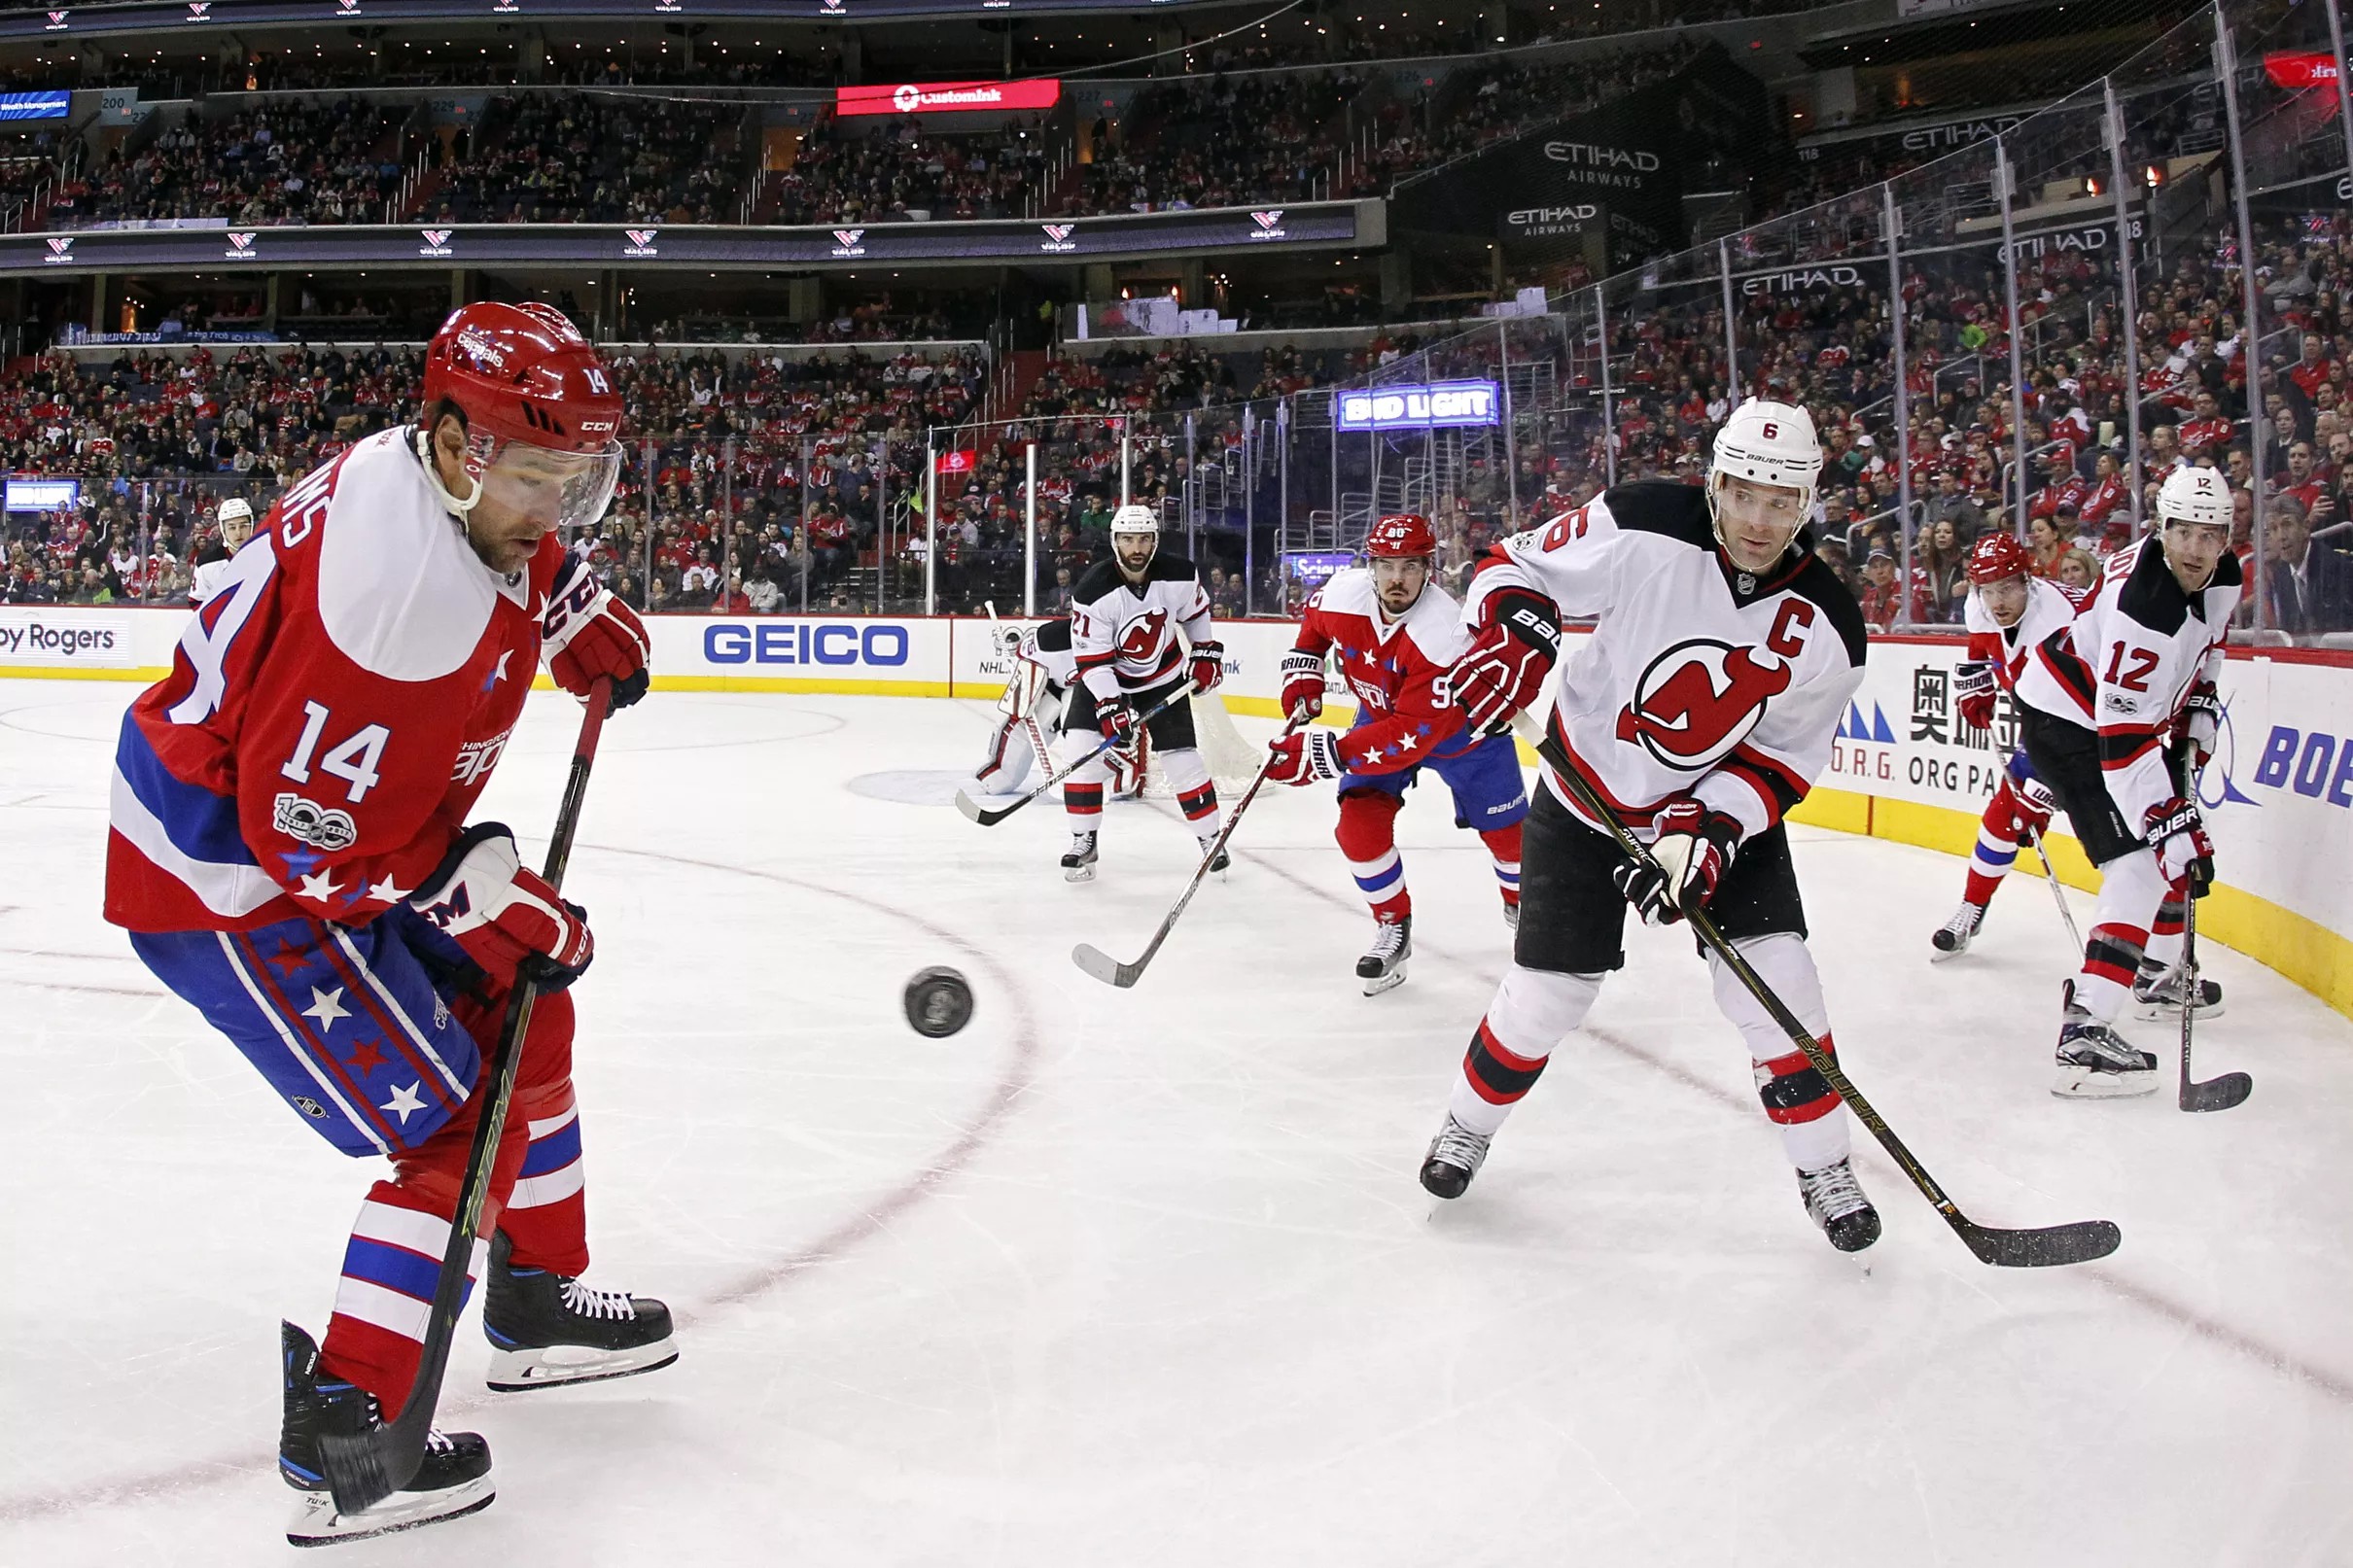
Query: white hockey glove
<point>1687,859</point>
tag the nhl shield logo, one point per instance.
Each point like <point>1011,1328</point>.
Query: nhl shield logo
<point>1700,699</point>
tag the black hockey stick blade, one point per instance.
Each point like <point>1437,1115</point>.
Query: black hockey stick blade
<point>2216,1094</point>
<point>1100,965</point>
<point>2050,1247</point>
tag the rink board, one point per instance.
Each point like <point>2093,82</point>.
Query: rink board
<point>2279,792</point>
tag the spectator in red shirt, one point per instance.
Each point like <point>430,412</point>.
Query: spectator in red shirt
<point>2311,371</point>
<point>2206,429</point>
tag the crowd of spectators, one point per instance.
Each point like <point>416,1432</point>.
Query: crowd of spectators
<point>844,173</point>
<point>337,162</point>
<point>580,157</point>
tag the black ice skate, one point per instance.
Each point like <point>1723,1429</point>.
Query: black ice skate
<point>1224,861</point>
<point>1383,966</point>
<point>1835,1201</point>
<point>1952,939</point>
<point>2094,1062</point>
<point>454,1479</point>
<point>1079,864</point>
<point>2157,992</point>
<point>1455,1156</point>
<point>548,1329</point>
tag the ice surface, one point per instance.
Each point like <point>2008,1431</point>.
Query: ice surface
<point>1145,1278</point>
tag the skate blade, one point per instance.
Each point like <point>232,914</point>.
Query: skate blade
<point>318,1523</point>
<point>2171,1012</point>
<point>1388,982</point>
<point>1938,955</point>
<point>1078,874</point>
<point>2084,1083</point>
<point>515,1372</point>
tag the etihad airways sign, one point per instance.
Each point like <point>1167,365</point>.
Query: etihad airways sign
<point>948,98</point>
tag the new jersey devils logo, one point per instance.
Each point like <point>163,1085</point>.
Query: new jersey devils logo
<point>1699,700</point>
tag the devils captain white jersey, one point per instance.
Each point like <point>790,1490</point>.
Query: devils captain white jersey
<point>2124,663</point>
<point>2049,607</point>
<point>1698,679</point>
<point>1124,635</point>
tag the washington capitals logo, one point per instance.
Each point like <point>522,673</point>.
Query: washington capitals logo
<point>1699,700</point>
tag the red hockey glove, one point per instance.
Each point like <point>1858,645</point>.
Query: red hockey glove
<point>1306,757</point>
<point>2196,725</point>
<point>1116,720</point>
<point>1209,665</point>
<point>1302,685</point>
<point>1509,656</point>
<point>1687,859</point>
<point>588,632</point>
<point>506,918</point>
<point>2031,805</point>
<point>2177,833</point>
<point>1973,692</point>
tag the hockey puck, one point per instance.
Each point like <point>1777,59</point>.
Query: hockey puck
<point>939,1002</point>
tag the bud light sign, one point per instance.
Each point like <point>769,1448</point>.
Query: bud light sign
<point>1418,405</point>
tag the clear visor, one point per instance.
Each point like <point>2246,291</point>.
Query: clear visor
<point>560,489</point>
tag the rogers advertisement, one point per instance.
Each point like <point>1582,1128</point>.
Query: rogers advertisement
<point>947,97</point>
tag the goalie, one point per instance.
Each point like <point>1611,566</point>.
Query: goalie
<point>1034,713</point>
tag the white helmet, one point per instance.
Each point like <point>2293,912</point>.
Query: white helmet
<point>2194,496</point>
<point>1135,519</point>
<point>235,510</point>
<point>1767,443</point>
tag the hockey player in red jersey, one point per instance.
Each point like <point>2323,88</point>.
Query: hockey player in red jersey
<point>1700,707</point>
<point>290,854</point>
<point>2115,705</point>
<point>1395,638</point>
<point>2010,610</point>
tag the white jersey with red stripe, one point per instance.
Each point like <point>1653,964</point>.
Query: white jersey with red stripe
<point>2049,606</point>
<point>1124,634</point>
<point>1047,645</point>
<point>1698,679</point>
<point>2124,664</point>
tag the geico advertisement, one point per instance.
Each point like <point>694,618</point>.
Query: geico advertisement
<point>95,638</point>
<point>801,646</point>
<point>2278,792</point>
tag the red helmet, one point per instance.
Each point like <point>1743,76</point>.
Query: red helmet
<point>1401,534</point>
<point>523,373</point>
<point>1997,556</point>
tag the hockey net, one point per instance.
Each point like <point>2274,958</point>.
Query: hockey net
<point>1232,760</point>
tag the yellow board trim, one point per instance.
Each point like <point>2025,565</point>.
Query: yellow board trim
<point>67,671</point>
<point>2297,946</point>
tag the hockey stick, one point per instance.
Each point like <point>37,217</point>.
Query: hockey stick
<point>2077,1242</point>
<point>990,818</point>
<point>362,1470</point>
<point>2050,875</point>
<point>1110,970</point>
<point>2232,1088</point>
